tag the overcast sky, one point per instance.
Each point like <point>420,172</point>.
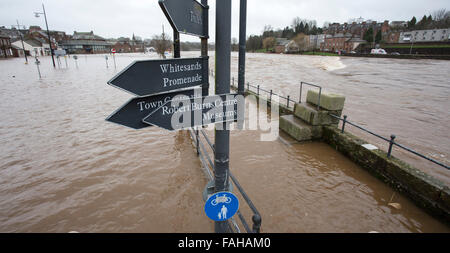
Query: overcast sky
<point>116,18</point>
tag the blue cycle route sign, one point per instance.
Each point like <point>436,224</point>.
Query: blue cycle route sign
<point>221,206</point>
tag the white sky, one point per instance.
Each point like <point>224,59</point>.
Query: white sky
<point>116,18</point>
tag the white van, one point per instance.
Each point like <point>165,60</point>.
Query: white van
<point>378,51</point>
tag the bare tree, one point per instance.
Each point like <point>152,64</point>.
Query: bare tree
<point>234,44</point>
<point>161,43</point>
<point>439,15</point>
<point>269,43</point>
<point>441,18</point>
<point>302,42</point>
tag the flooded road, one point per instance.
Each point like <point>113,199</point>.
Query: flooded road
<point>64,168</point>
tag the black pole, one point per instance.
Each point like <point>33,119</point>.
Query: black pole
<point>242,48</point>
<point>21,39</point>
<point>49,39</point>
<point>242,45</point>
<point>222,82</point>
<point>391,142</point>
<point>204,49</point>
<point>176,44</point>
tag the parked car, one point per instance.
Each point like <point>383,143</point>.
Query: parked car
<point>378,51</point>
<point>395,53</point>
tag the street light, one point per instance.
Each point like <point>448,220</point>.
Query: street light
<point>21,39</point>
<point>36,14</point>
<point>412,43</point>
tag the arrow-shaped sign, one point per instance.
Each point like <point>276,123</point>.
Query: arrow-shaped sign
<point>187,113</point>
<point>150,77</point>
<point>186,16</point>
<point>136,109</point>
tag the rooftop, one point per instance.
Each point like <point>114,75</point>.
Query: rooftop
<point>86,36</point>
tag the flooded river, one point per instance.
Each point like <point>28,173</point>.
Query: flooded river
<point>407,98</point>
<point>63,168</point>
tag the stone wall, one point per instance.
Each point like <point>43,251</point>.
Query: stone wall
<point>427,192</point>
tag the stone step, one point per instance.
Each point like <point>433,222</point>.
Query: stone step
<point>298,129</point>
<point>328,101</point>
<point>310,115</point>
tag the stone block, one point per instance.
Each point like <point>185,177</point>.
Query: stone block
<point>310,115</point>
<point>298,129</point>
<point>328,101</point>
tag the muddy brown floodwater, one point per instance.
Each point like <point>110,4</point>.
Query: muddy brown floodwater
<point>63,168</point>
<point>407,98</point>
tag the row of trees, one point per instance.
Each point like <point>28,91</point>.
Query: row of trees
<point>438,19</point>
<point>370,37</point>
<point>296,31</point>
<point>300,28</point>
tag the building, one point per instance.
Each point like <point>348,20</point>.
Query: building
<point>337,42</point>
<point>392,37</point>
<point>86,43</point>
<point>56,37</point>
<point>432,35</point>
<point>122,47</point>
<point>342,42</point>
<point>280,45</point>
<point>399,25</point>
<point>316,40</point>
<point>292,47</point>
<point>353,43</point>
<point>137,44</point>
<point>17,51</point>
<point>33,47</point>
<point>5,46</point>
<point>13,33</point>
<point>358,29</point>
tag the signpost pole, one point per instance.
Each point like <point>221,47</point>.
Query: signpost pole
<point>176,44</point>
<point>222,82</point>
<point>37,65</point>
<point>242,47</point>
<point>204,49</point>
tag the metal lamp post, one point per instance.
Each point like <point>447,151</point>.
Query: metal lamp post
<point>412,44</point>
<point>21,39</point>
<point>36,14</point>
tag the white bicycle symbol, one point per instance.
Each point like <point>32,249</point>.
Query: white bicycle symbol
<point>220,199</point>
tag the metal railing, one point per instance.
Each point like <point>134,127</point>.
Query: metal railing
<point>208,166</point>
<point>391,141</point>
<point>270,93</point>
<point>313,85</point>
